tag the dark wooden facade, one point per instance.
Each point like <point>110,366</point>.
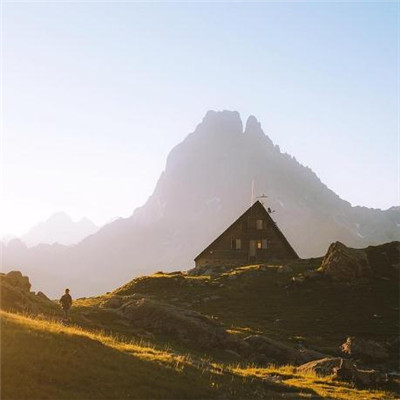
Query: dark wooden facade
<point>252,238</point>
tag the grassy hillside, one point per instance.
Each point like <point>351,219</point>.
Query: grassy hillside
<point>43,359</point>
<point>177,335</point>
<point>258,299</point>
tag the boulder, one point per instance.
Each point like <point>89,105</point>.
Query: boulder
<point>16,295</point>
<point>364,378</point>
<point>279,352</point>
<point>343,370</point>
<point>16,279</point>
<point>186,325</point>
<point>322,367</point>
<point>365,350</point>
<point>342,263</point>
<point>385,259</point>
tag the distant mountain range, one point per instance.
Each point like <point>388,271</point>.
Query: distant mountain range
<point>59,228</point>
<point>206,185</point>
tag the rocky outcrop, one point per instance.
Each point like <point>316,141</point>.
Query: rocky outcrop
<point>321,367</point>
<point>269,350</point>
<point>112,302</point>
<point>17,280</point>
<point>343,370</point>
<point>342,263</point>
<point>16,294</point>
<point>385,259</point>
<point>368,351</point>
<point>185,325</point>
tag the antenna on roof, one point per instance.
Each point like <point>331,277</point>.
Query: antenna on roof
<point>262,198</point>
<point>252,193</point>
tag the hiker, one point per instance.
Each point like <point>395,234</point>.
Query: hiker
<point>66,303</point>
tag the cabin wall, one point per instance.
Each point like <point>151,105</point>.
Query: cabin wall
<point>221,252</point>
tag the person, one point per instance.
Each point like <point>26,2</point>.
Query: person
<point>66,303</point>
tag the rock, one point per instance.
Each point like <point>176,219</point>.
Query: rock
<point>343,370</point>
<point>280,352</point>
<point>385,259</point>
<point>42,296</point>
<point>365,350</point>
<point>364,378</point>
<point>232,277</point>
<point>322,367</point>
<point>16,295</point>
<point>182,324</point>
<point>342,263</point>
<point>284,269</point>
<point>112,302</point>
<point>16,279</point>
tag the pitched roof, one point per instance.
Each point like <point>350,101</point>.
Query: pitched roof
<point>257,204</point>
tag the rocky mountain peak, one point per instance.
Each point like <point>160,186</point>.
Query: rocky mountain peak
<point>220,122</point>
<point>59,228</point>
<point>253,126</point>
<point>59,217</point>
<point>209,180</point>
<point>254,131</point>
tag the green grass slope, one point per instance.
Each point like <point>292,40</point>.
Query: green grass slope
<point>46,360</point>
<point>259,299</point>
<point>43,359</point>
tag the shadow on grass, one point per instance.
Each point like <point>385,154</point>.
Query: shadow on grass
<point>42,364</point>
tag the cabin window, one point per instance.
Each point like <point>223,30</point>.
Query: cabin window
<point>259,224</point>
<point>262,244</point>
<point>236,244</point>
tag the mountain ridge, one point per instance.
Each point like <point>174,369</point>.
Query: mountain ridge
<point>205,186</point>
<point>59,228</point>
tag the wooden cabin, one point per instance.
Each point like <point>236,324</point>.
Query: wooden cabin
<point>253,238</point>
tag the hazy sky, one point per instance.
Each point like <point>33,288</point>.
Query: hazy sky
<point>96,94</point>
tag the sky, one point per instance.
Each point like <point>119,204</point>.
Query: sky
<point>95,95</point>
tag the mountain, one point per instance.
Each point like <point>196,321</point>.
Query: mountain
<point>205,186</point>
<point>59,228</point>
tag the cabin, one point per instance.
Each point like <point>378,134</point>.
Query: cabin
<point>253,238</point>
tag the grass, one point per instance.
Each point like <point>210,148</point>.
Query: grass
<point>43,359</point>
<point>319,312</point>
<point>101,358</point>
<point>325,387</point>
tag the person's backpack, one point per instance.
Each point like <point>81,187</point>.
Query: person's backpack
<point>66,301</point>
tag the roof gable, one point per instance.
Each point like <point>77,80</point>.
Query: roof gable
<point>257,206</point>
